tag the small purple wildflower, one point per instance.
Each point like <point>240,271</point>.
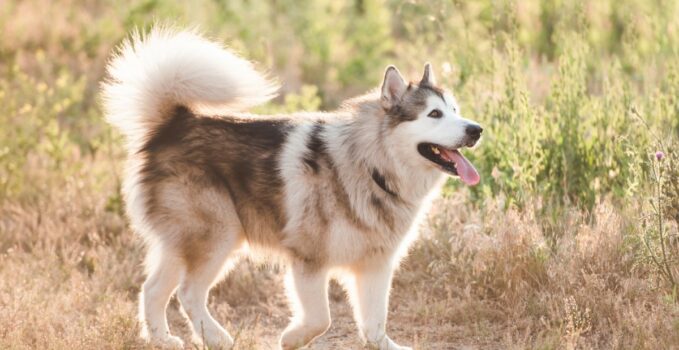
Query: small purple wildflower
<point>659,155</point>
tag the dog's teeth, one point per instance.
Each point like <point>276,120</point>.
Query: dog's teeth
<point>435,150</point>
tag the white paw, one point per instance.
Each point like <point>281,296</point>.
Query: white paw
<point>168,342</point>
<point>160,339</point>
<point>297,336</point>
<point>215,339</point>
<point>385,343</point>
<point>399,347</point>
<point>175,342</point>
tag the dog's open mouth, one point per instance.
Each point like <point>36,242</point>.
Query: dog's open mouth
<point>450,161</point>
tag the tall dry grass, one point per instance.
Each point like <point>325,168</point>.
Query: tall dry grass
<point>481,278</point>
<point>553,251</point>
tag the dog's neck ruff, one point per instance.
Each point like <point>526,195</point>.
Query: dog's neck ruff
<point>382,183</point>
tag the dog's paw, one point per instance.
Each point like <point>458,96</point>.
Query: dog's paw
<point>296,336</point>
<point>161,340</point>
<point>168,342</point>
<point>399,347</point>
<point>215,339</point>
<point>385,343</point>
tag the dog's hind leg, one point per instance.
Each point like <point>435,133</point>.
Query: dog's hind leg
<point>307,288</point>
<point>164,272</point>
<point>201,275</point>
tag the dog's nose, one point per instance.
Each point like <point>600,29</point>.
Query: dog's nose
<point>474,131</point>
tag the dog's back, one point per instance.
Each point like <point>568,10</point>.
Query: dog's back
<point>236,157</point>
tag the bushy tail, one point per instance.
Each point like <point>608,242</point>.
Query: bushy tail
<point>152,74</point>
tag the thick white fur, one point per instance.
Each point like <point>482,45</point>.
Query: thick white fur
<point>166,68</point>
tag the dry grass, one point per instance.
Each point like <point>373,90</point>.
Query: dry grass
<point>480,278</point>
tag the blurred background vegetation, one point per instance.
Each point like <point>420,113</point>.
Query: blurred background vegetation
<point>576,98</point>
<point>554,82</point>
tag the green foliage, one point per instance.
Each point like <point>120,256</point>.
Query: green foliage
<point>43,125</point>
<point>513,155</point>
<point>306,100</point>
<point>553,82</point>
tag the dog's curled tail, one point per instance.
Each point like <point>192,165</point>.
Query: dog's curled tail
<point>150,75</point>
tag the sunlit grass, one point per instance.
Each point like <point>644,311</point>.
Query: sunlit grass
<point>555,248</point>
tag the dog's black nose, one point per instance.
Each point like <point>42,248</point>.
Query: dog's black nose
<point>474,131</point>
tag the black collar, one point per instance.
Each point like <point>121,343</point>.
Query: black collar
<point>382,182</point>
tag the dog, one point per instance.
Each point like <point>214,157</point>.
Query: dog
<point>332,195</point>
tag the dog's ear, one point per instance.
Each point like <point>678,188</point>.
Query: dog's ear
<point>428,79</point>
<point>393,87</point>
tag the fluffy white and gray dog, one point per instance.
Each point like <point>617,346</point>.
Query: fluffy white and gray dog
<point>333,195</point>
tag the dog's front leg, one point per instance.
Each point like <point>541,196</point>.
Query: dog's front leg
<point>307,288</point>
<point>370,298</point>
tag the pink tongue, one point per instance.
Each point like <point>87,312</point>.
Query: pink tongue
<point>465,169</point>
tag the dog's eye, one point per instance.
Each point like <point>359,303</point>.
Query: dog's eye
<point>435,114</point>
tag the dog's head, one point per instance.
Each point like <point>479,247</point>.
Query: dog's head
<point>426,124</point>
